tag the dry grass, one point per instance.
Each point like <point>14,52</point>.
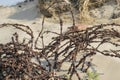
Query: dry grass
<point>81,10</point>
<point>84,14</point>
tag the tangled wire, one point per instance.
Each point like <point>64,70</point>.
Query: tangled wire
<point>73,47</point>
<point>76,46</point>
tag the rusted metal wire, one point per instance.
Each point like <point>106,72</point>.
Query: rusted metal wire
<point>77,41</point>
<point>73,47</point>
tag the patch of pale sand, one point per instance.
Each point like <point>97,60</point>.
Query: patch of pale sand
<point>117,20</point>
<point>108,66</point>
<point>35,25</point>
<point>30,12</point>
<point>5,12</point>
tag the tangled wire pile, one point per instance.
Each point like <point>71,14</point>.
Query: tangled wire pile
<point>15,58</point>
<point>73,46</point>
<point>76,46</point>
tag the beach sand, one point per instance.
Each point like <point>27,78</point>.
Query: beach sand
<point>109,68</point>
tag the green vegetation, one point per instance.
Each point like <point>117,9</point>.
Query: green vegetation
<point>92,75</point>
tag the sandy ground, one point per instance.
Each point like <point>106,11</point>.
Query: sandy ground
<point>109,68</point>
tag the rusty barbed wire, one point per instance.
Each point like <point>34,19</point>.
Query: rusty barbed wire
<point>73,47</point>
<point>76,46</point>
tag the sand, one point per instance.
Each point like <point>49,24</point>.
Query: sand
<point>109,68</point>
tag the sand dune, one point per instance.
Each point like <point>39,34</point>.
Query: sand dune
<point>27,11</point>
<point>27,14</point>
